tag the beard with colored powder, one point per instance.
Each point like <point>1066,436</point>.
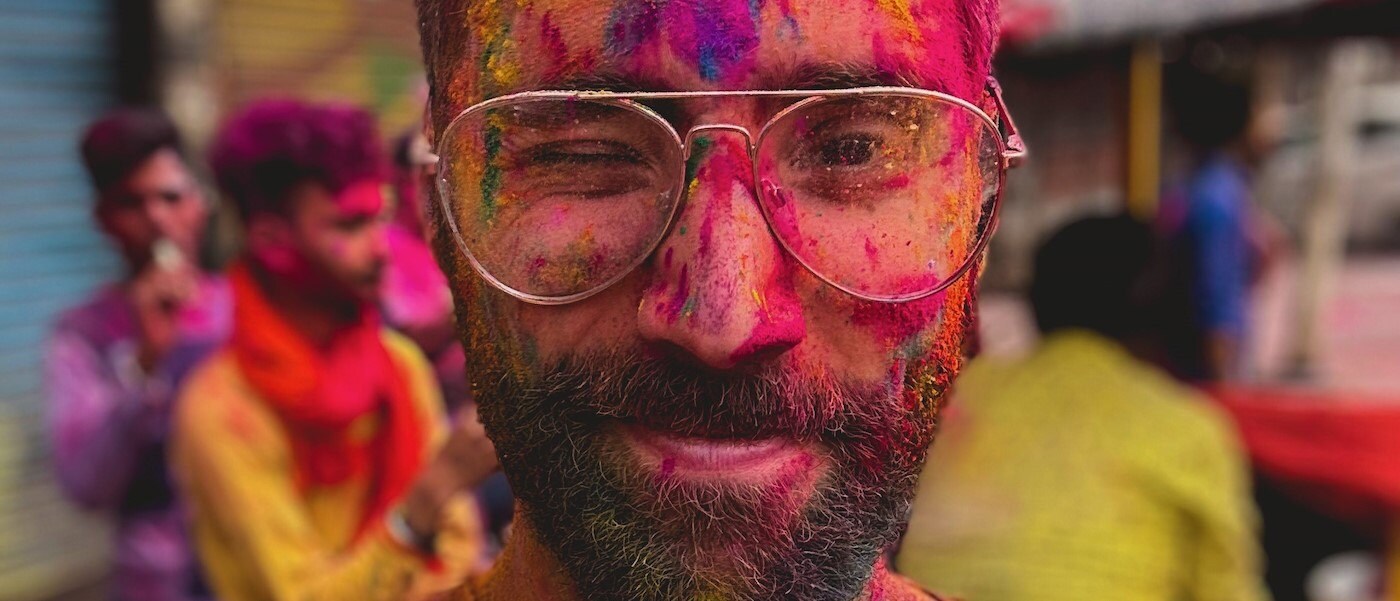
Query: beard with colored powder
<point>625,532</point>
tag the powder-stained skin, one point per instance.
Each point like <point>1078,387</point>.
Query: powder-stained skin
<point>720,334</point>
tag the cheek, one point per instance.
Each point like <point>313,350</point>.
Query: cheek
<point>283,261</point>
<point>604,322</point>
<point>194,212</point>
<point>129,229</point>
<point>898,324</point>
<point>880,342</point>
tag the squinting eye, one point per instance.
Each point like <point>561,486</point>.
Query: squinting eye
<point>583,153</point>
<point>171,196</point>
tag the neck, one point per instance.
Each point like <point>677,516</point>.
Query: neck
<point>527,571</point>
<point>317,317</point>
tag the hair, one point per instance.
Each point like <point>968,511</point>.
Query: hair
<point>270,148</point>
<point>1098,274</point>
<point>1210,109</point>
<point>979,18</point>
<point>119,142</point>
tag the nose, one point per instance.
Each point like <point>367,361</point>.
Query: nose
<point>722,289</point>
<point>159,214</point>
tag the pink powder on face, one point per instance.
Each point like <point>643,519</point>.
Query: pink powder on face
<point>925,39</point>
<point>896,323</point>
<point>898,182</point>
<point>555,50</point>
<point>782,331</point>
<point>872,253</point>
<point>364,199</point>
<point>671,309</point>
<point>726,165</point>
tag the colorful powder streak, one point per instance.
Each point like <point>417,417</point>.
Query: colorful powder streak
<point>631,23</point>
<point>489,24</point>
<point>491,174</point>
<point>899,12</point>
<point>725,35</point>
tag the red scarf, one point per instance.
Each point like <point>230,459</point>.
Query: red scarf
<point>324,396</point>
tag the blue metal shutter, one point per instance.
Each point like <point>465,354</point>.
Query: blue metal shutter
<point>55,76</point>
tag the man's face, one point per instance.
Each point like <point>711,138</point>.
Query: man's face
<point>721,423</point>
<point>331,244</point>
<point>158,200</point>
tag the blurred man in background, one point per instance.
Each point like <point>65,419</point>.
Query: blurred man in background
<point>1222,241</point>
<point>1082,472</point>
<point>416,299</point>
<point>307,446</point>
<point>114,362</point>
<point>712,364</point>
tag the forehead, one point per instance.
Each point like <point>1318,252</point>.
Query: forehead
<point>494,47</point>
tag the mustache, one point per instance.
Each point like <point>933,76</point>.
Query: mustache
<point>778,400</point>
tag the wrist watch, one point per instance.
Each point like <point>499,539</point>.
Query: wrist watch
<point>397,524</point>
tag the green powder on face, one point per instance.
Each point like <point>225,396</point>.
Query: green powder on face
<point>699,149</point>
<point>491,175</point>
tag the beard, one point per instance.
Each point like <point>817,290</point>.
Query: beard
<point>623,532</point>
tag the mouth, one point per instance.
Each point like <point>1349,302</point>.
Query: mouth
<point>716,458</point>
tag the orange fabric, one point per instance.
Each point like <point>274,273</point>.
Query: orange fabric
<point>324,396</point>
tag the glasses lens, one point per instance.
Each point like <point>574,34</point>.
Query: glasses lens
<point>885,195</point>
<point>559,197</point>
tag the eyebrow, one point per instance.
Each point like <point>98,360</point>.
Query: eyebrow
<point>805,76</point>
<point>606,82</point>
<point>835,76</point>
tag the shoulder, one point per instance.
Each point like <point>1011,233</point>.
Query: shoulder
<point>1217,191</point>
<point>1177,422</point>
<point>403,350</point>
<point>902,589</point>
<point>96,318</point>
<point>218,409</point>
<point>417,373</point>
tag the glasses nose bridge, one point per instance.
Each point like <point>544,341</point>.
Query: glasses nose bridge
<point>717,127</point>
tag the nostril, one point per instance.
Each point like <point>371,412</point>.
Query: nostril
<point>683,355</point>
<point>769,341</point>
<point>762,355</point>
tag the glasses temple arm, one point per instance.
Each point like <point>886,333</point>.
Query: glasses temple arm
<point>1015,145</point>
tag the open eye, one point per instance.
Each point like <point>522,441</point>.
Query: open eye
<point>847,150</point>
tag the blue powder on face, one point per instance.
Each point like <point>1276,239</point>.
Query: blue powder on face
<point>725,33</point>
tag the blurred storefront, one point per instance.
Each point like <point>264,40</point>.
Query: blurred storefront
<point>57,70</point>
<point>63,62</point>
<point>1085,79</point>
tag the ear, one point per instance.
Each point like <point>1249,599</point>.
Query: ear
<point>271,242</point>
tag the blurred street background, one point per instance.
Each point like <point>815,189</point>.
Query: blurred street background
<point>1085,79</point>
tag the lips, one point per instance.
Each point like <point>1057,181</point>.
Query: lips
<point>713,456</point>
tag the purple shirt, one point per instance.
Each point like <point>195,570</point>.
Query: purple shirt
<point>108,423</point>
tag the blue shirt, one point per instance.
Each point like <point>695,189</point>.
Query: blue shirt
<point>1215,230</point>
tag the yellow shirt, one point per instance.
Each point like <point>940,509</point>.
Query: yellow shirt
<point>1081,474</point>
<point>259,538</point>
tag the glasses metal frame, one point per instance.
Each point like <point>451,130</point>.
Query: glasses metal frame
<point>1011,148</point>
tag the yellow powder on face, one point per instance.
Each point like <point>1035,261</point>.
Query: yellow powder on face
<point>898,11</point>
<point>761,303</point>
<point>489,23</point>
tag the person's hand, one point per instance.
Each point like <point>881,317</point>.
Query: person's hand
<point>157,294</point>
<point>463,463</point>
